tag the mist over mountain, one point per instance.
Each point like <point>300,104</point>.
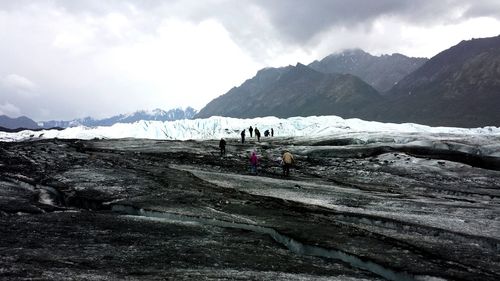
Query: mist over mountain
<point>293,91</point>
<point>7,122</point>
<point>458,87</point>
<point>381,72</point>
<point>153,115</point>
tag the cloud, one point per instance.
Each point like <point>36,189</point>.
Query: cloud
<point>19,84</point>
<point>67,59</point>
<point>300,21</point>
<point>104,63</point>
<point>9,110</point>
<point>483,8</point>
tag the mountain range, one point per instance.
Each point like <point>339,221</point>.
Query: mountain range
<point>381,72</point>
<point>7,123</point>
<point>156,115</point>
<point>458,87</point>
<point>294,91</point>
<point>16,124</point>
<point>343,84</point>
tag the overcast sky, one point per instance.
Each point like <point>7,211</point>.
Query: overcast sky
<point>68,59</point>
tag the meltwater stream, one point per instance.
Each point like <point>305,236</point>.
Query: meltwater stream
<point>292,244</point>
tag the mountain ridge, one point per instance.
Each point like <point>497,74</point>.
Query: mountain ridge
<point>381,72</point>
<point>460,86</point>
<point>19,122</point>
<point>148,115</point>
<point>293,91</point>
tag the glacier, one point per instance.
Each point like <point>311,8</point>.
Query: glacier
<point>472,141</point>
<point>225,127</point>
<point>417,202</point>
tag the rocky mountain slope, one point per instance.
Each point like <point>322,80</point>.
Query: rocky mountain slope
<point>458,87</point>
<point>293,91</point>
<point>15,123</point>
<point>381,72</point>
<point>153,115</point>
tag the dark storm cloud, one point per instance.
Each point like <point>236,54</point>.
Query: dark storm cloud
<point>294,21</point>
<point>486,8</point>
<point>301,20</point>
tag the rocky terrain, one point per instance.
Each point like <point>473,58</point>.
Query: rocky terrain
<point>381,72</point>
<point>388,208</point>
<point>294,91</point>
<point>457,87</point>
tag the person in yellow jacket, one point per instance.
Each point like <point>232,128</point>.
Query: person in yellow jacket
<point>288,161</point>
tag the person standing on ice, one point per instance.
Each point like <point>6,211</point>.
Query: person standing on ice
<point>222,146</point>
<point>288,162</point>
<point>254,161</point>
<point>257,134</point>
<point>272,132</point>
<point>243,136</point>
<point>250,130</point>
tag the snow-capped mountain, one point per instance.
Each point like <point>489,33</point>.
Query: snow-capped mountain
<point>148,115</point>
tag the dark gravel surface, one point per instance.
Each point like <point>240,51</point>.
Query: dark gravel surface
<point>89,210</point>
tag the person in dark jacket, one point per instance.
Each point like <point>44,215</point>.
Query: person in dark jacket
<point>257,134</point>
<point>243,136</point>
<point>222,146</point>
<point>250,130</point>
<point>266,133</point>
<point>272,132</point>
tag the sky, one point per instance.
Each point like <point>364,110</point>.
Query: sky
<point>66,59</point>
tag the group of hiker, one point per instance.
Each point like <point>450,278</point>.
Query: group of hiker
<point>287,160</point>
<point>251,130</point>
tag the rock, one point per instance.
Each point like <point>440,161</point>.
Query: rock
<point>212,215</point>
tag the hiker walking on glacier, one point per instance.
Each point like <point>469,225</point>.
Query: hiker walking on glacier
<point>254,161</point>
<point>288,162</point>
<point>257,134</point>
<point>243,136</point>
<point>250,130</point>
<point>222,146</point>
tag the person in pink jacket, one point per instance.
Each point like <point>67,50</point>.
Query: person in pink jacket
<point>254,161</point>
